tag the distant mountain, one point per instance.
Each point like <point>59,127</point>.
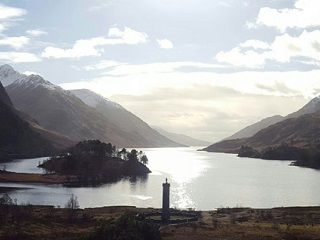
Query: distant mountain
<point>181,138</point>
<point>62,112</point>
<point>251,130</point>
<point>124,119</point>
<point>17,137</point>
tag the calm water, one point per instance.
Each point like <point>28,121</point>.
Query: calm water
<point>198,180</point>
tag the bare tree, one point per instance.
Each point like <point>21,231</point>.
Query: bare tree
<point>72,205</point>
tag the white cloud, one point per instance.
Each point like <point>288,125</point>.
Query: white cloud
<point>18,57</point>
<point>36,32</point>
<point>165,43</point>
<point>256,44</point>
<point>136,79</point>
<point>251,25</point>
<point>14,42</point>
<point>28,73</point>
<point>10,12</point>
<point>104,64</point>
<point>2,27</point>
<point>238,57</point>
<point>120,69</point>
<point>283,49</point>
<point>128,36</point>
<point>305,14</point>
<point>188,96</point>
<point>89,47</point>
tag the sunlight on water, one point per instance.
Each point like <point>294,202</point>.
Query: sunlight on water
<point>182,166</point>
<point>198,180</point>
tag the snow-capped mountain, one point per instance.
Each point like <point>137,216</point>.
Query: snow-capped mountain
<point>8,75</point>
<point>34,81</point>
<point>93,100</point>
<point>63,112</point>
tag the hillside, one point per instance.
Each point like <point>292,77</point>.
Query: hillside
<point>125,120</point>
<point>311,107</point>
<point>251,130</point>
<point>292,139</point>
<point>17,137</point>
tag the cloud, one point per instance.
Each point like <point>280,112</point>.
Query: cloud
<point>205,104</point>
<point>30,73</point>
<point>115,68</point>
<point>238,57</point>
<point>283,49</point>
<point>165,43</point>
<point>2,27</point>
<point>36,32</point>
<point>255,44</point>
<point>251,25</point>
<point>19,57</point>
<point>128,36</point>
<point>15,42</point>
<point>104,64</point>
<point>89,47</point>
<point>10,12</point>
<point>305,14</point>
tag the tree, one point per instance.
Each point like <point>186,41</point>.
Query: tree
<point>144,159</point>
<point>124,154</point>
<point>73,203</point>
<point>133,155</point>
<point>6,200</point>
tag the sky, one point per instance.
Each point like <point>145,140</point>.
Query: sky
<point>200,67</point>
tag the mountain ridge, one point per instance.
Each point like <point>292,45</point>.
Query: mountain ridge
<point>61,111</point>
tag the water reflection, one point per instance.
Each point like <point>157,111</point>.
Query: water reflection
<point>198,180</point>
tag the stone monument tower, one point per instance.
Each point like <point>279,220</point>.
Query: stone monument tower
<point>165,202</point>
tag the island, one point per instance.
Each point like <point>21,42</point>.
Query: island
<point>89,162</point>
<point>95,162</point>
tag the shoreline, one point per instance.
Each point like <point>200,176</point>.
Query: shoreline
<point>13,177</point>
